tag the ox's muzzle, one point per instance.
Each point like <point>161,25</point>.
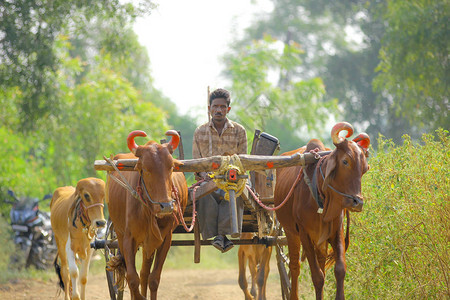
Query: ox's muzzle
<point>166,208</point>
<point>357,203</point>
<point>100,223</point>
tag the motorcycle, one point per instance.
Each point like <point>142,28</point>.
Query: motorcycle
<point>33,234</point>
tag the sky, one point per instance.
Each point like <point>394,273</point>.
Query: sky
<point>185,41</point>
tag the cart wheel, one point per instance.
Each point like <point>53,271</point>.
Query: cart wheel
<point>110,235</point>
<point>282,256</point>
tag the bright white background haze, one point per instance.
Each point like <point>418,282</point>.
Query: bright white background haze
<point>185,41</point>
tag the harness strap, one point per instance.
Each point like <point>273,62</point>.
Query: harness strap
<point>340,193</point>
<point>144,188</point>
<point>313,188</point>
<point>81,212</point>
<point>123,183</point>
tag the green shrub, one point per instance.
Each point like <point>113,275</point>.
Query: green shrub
<point>400,243</point>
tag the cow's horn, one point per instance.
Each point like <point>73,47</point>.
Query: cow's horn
<point>130,139</point>
<point>175,140</point>
<point>337,129</point>
<point>363,140</point>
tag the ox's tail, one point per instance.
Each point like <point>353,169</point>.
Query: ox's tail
<point>116,265</point>
<point>58,272</point>
<point>330,258</point>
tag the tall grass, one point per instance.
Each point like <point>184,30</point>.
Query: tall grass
<point>400,243</point>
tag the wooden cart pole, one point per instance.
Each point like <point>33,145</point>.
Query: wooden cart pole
<point>207,103</point>
<point>197,243</point>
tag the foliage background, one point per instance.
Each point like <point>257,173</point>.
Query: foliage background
<point>74,81</point>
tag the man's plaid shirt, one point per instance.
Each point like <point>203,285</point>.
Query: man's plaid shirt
<point>207,141</point>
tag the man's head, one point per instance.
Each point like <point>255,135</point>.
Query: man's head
<point>219,105</point>
<point>220,93</point>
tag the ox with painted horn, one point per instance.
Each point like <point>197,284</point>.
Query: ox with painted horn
<point>144,213</point>
<point>313,215</point>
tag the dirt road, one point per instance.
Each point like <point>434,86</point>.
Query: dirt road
<point>175,284</point>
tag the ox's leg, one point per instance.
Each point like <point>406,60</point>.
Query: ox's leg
<point>253,267</point>
<point>322,256</point>
<point>129,254</point>
<point>242,258</point>
<point>73,270</point>
<point>317,275</point>
<point>160,258</point>
<point>84,270</point>
<point>263,272</point>
<point>294,261</point>
<point>64,266</point>
<point>145,271</point>
<point>340,266</point>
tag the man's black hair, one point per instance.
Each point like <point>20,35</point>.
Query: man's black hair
<point>220,93</point>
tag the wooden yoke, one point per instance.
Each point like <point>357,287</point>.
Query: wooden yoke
<point>213,163</point>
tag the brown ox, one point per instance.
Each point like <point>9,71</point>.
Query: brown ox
<point>76,214</point>
<point>148,219</point>
<point>336,181</point>
<point>258,258</point>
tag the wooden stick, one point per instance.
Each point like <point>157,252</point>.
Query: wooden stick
<point>207,104</point>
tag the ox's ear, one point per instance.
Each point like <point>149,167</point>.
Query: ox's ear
<point>177,164</point>
<point>78,190</point>
<point>138,165</point>
<point>138,151</point>
<point>331,166</point>
<point>170,148</point>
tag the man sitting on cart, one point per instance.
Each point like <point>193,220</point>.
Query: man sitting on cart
<point>219,136</point>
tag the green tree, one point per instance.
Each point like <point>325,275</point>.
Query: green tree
<point>348,69</point>
<point>260,104</point>
<point>28,31</point>
<point>414,64</point>
<point>103,87</point>
<point>97,116</point>
<point>131,60</point>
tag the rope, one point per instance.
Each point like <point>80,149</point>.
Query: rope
<point>257,200</point>
<point>81,212</point>
<point>195,186</point>
<point>123,183</point>
<point>316,156</point>
<point>180,213</point>
<point>228,163</point>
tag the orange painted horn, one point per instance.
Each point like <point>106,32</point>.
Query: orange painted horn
<point>363,140</point>
<point>337,129</point>
<point>130,139</point>
<point>175,140</point>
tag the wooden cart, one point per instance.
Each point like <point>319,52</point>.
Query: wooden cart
<point>257,218</point>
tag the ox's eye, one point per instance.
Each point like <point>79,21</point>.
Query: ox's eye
<point>87,197</point>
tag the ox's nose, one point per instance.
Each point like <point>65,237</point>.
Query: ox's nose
<point>357,204</point>
<point>166,208</point>
<point>100,223</point>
